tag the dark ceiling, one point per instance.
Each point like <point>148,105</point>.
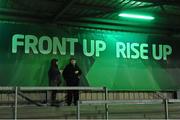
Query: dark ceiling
<point>101,14</point>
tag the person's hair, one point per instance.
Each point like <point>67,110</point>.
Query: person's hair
<point>53,62</point>
<point>72,58</point>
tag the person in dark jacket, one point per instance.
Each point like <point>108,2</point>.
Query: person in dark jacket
<point>71,75</point>
<point>54,78</point>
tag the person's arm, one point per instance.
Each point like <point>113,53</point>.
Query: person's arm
<point>78,71</point>
<point>58,76</point>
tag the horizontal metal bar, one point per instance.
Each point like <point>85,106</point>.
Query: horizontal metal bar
<point>7,88</point>
<point>60,88</point>
<point>122,102</point>
<point>174,100</point>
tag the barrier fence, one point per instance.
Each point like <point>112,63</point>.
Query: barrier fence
<point>118,102</point>
<point>18,91</point>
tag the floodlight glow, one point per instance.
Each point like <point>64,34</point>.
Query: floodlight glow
<point>136,16</point>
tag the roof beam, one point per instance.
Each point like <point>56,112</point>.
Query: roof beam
<point>121,22</point>
<point>21,12</point>
<point>8,14</point>
<point>119,27</point>
<point>21,19</point>
<point>132,8</point>
<point>67,6</point>
<point>163,2</point>
<point>112,11</point>
<point>93,7</point>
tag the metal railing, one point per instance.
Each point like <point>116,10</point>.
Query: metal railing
<point>17,91</point>
<point>104,102</point>
<point>120,102</point>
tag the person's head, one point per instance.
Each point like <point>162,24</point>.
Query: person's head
<point>73,61</point>
<point>54,62</point>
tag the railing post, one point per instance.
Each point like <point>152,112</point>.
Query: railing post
<point>106,105</point>
<point>166,109</point>
<point>78,110</point>
<point>46,97</point>
<point>16,103</point>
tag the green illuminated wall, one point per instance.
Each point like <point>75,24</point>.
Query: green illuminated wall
<point>20,69</point>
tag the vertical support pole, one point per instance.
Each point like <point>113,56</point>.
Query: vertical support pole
<point>106,105</point>
<point>46,99</point>
<point>78,110</point>
<point>16,103</point>
<point>166,109</point>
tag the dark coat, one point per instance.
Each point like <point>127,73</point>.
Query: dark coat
<point>54,76</point>
<point>69,75</point>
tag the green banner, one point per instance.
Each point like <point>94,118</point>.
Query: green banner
<point>116,60</point>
